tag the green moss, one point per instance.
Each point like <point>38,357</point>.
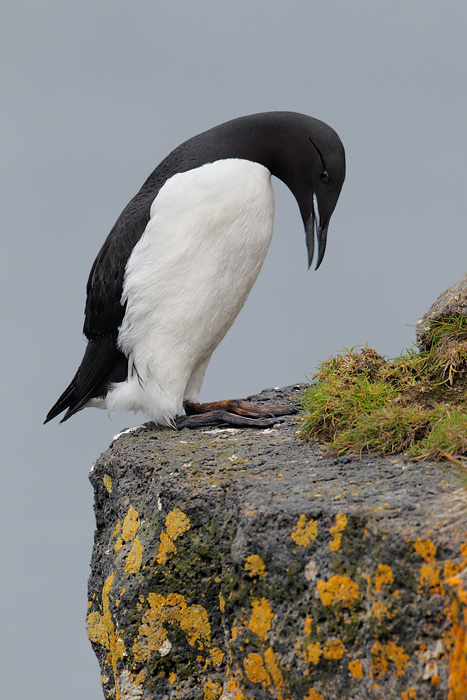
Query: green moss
<point>386,430</point>
<point>448,436</point>
<point>361,402</point>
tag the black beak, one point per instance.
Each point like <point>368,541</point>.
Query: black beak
<point>321,235</point>
<point>313,224</point>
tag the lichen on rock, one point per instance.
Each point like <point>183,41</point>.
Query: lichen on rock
<point>284,574</point>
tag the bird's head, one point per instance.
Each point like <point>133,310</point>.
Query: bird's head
<point>328,173</point>
<point>310,160</point>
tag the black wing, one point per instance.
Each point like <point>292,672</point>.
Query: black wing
<point>103,363</point>
<point>104,311</point>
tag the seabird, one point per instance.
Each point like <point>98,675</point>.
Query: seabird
<point>180,261</point>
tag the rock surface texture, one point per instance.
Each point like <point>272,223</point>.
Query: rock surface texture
<point>245,565</point>
<point>452,301</point>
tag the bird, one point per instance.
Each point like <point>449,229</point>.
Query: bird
<point>181,259</point>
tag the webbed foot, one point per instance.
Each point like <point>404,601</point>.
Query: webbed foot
<point>239,414</point>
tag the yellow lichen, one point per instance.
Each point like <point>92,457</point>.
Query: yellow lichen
<point>426,549</point>
<point>130,524</point>
<point>336,532</point>
<point>260,620</point>
<point>254,669</point>
<point>194,621</point>
<point>314,651</point>
<point>216,656</point>
<point>117,529</point>
<point>170,610</point>
<point>141,677</point>
<point>273,668</point>
<point>383,575</point>
<point>385,653</point>
<point>101,630</point>
<point>152,633</point>
<point>430,575</point>
<point>221,603</point>
<point>166,549</point>
<point>107,483</point>
<point>380,610</point>
<point>457,664</point>
<point>313,695</point>
<point>212,690</point>
<point>305,532</point>
<point>234,687</point>
<point>255,565</point>
<point>450,568</point>
<point>355,668</point>
<point>135,558</point>
<point>339,589</point>
<point>457,639</point>
<point>458,585</point>
<point>176,523</point>
<point>409,694</point>
<point>96,629</point>
<point>333,649</point>
<point>172,677</point>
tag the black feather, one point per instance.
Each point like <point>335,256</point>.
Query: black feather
<point>102,364</point>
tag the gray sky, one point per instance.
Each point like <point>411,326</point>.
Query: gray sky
<point>95,94</point>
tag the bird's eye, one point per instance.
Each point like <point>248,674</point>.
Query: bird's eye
<point>324,177</point>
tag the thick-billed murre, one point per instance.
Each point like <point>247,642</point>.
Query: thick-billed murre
<point>181,259</point>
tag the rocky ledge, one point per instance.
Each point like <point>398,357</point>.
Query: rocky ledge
<point>244,564</point>
<point>451,302</point>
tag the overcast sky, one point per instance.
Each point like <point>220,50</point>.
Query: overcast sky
<point>95,94</point>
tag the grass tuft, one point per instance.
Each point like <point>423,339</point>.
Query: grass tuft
<point>361,402</point>
<point>448,436</point>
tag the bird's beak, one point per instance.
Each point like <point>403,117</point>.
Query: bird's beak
<point>321,235</point>
<point>314,224</point>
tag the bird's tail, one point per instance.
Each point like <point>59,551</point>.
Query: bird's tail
<point>102,364</point>
<point>65,401</point>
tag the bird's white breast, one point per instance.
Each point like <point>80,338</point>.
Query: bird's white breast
<point>187,278</point>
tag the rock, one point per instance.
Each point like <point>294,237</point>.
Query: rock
<point>452,301</point>
<point>246,564</point>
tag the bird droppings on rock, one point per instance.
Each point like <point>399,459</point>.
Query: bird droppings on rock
<point>371,603</point>
<point>125,432</point>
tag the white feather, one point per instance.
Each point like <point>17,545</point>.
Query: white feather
<point>187,279</point>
